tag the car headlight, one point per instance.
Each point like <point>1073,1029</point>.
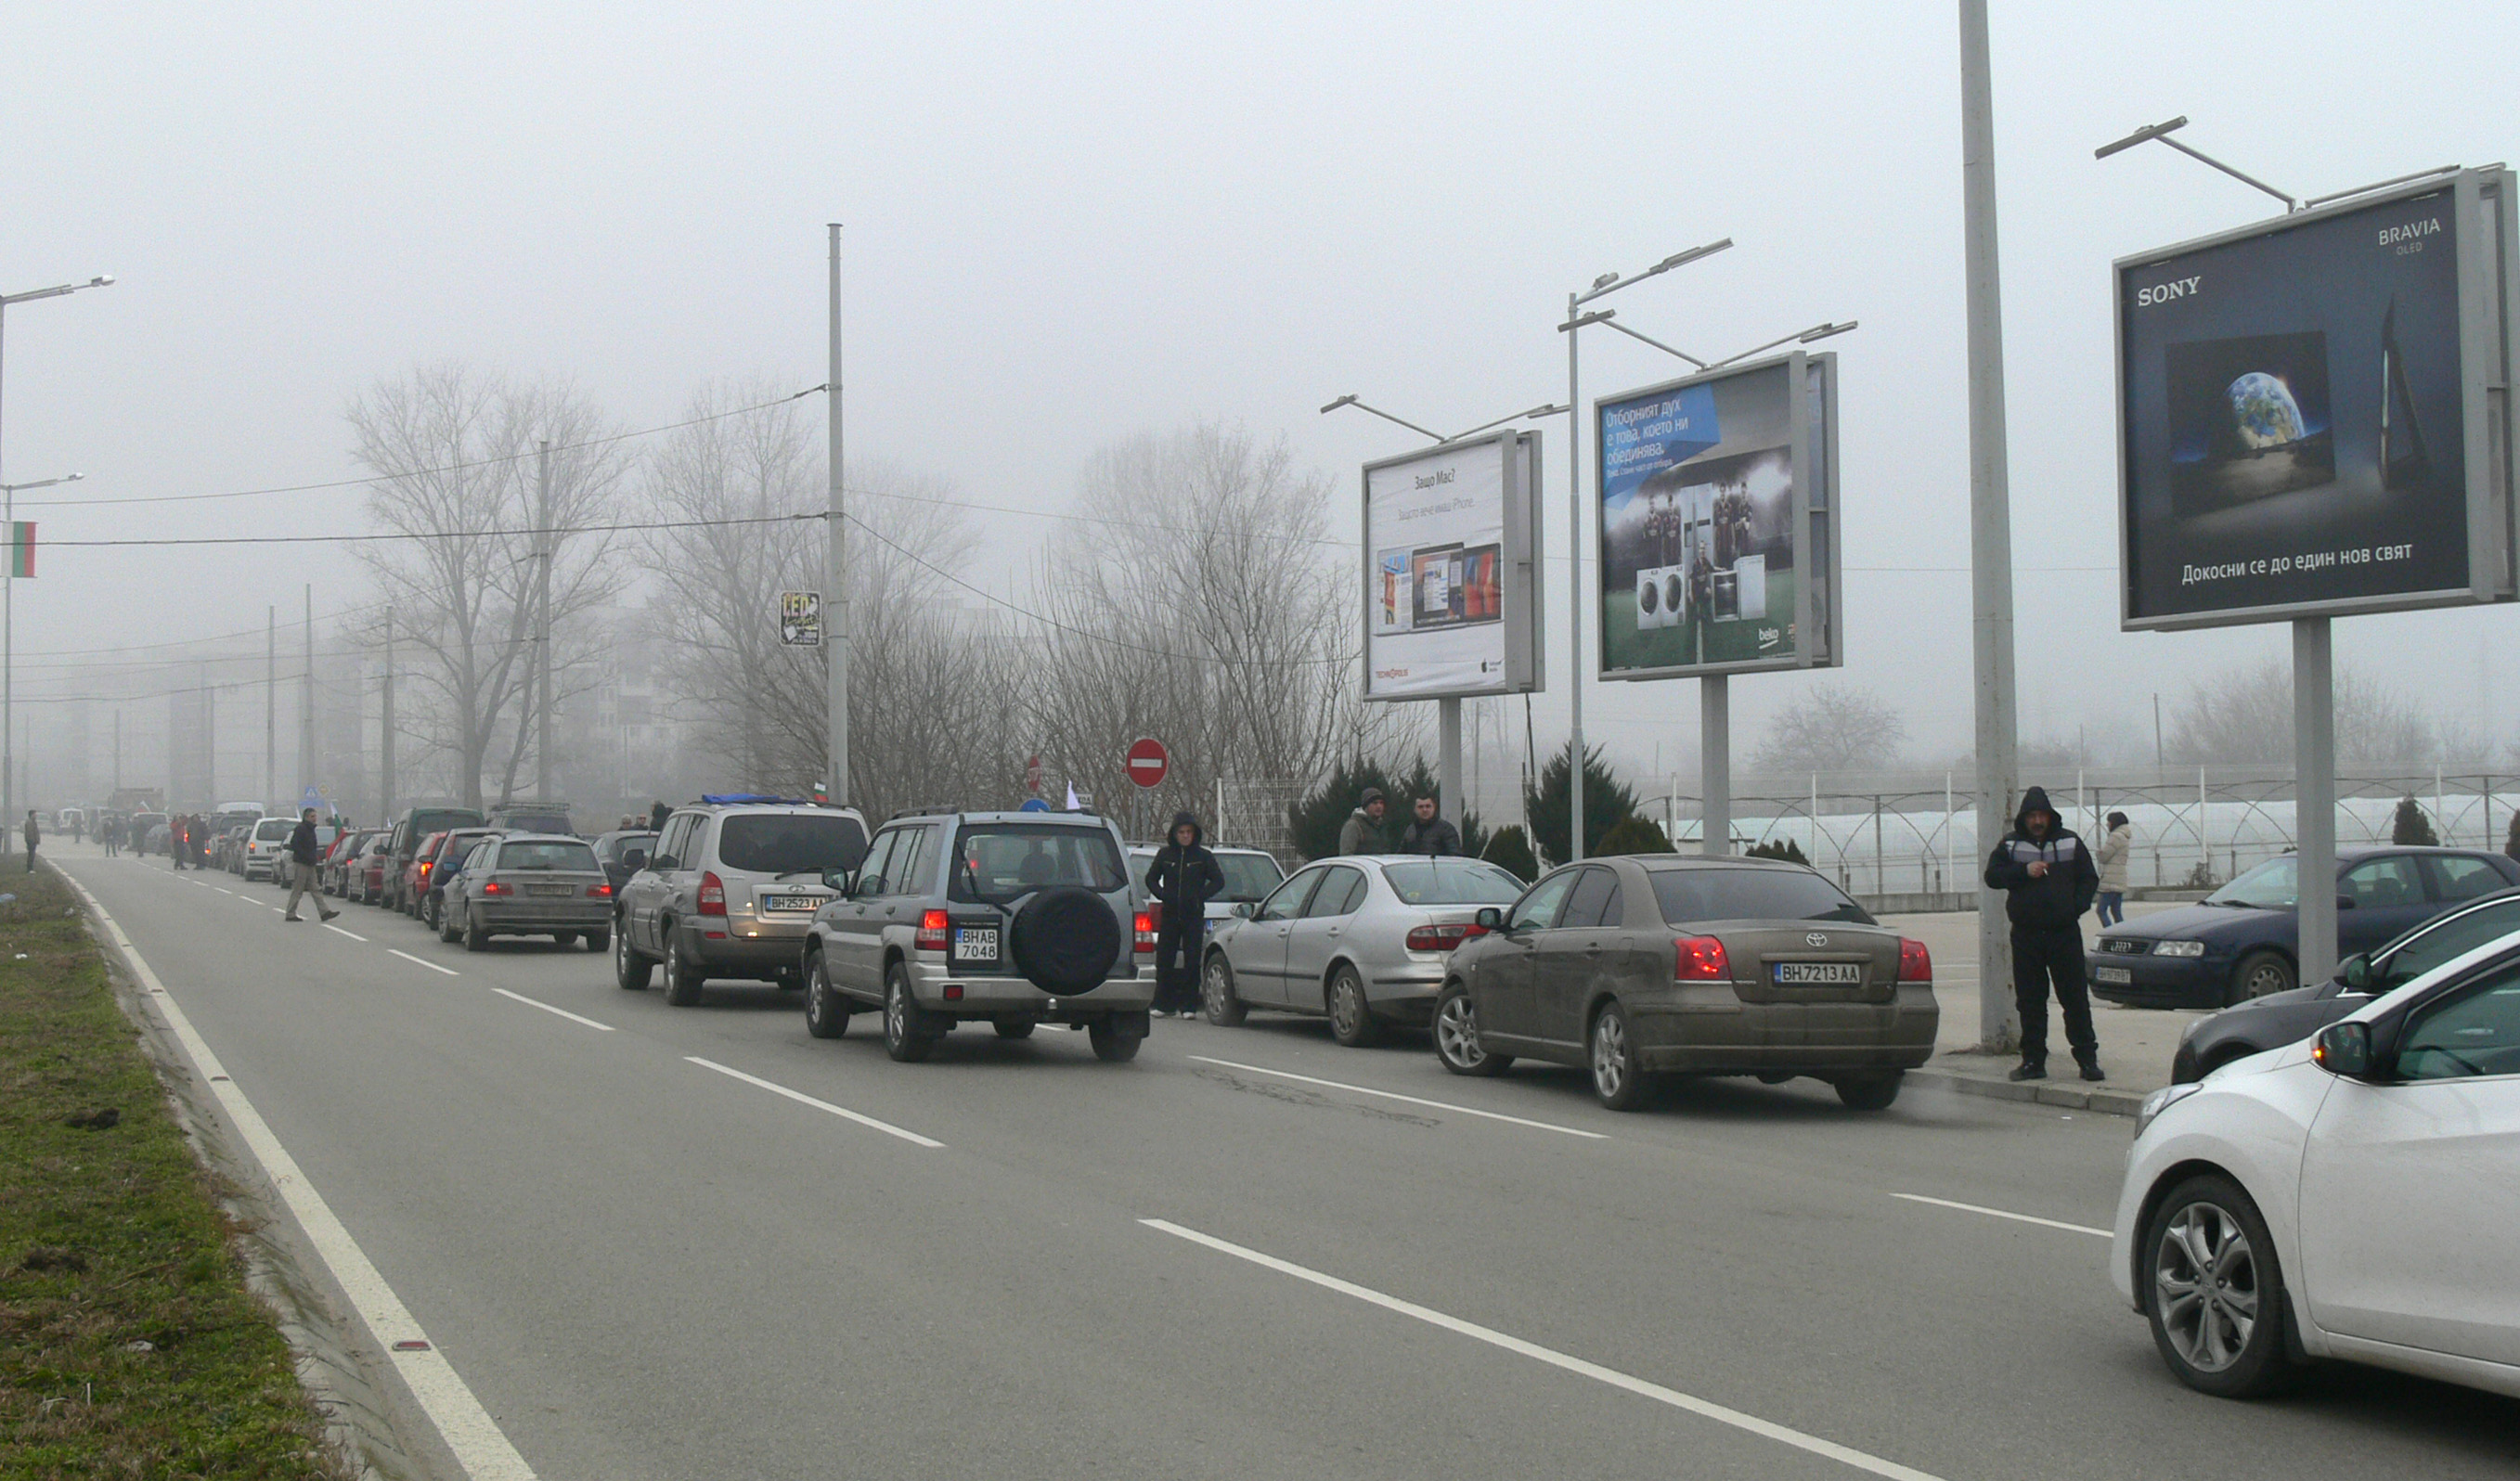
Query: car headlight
<point>2161,1101</point>
<point>2179,948</point>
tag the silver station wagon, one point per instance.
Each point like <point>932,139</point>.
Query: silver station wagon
<point>1635,967</point>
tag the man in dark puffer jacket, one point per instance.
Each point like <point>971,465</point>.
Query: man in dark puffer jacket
<point>2048,881</point>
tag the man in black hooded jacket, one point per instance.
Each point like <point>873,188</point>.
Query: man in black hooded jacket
<point>2048,881</point>
<point>1183,877</point>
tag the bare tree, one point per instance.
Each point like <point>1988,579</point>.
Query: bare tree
<point>452,455</point>
<point>2243,715</point>
<point>928,716</point>
<point>1199,600</point>
<point>1833,728</point>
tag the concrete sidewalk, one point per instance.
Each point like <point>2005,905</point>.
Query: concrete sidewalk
<point>2136,1042</point>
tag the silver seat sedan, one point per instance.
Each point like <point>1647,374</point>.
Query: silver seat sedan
<point>1362,941</point>
<point>530,884</point>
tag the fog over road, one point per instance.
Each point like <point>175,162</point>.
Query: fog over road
<point>1230,1258</point>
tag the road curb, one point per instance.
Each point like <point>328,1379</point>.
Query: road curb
<point>2068,1095</point>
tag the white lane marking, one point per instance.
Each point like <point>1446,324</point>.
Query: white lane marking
<point>547,1007</point>
<point>432,966</point>
<point>479,1446</point>
<point>1997,1213</point>
<point>1703,1408</point>
<point>1361,1089</point>
<point>842,1111</point>
<point>337,930</point>
<point>221,888</point>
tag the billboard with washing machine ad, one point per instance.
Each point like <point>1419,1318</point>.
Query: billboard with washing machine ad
<point>1451,585</point>
<point>1717,522</point>
<point>2309,411</point>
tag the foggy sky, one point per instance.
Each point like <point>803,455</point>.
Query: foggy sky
<point>1065,227</point>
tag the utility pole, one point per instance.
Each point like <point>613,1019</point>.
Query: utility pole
<point>542,630</point>
<point>270,706</point>
<point>1989,523</point>
<point>117,750</point>
<point>836,606</point>
<point>209,739</point>
<point>306,704</point>
<point>385,733</point>
<point>1574,592</point>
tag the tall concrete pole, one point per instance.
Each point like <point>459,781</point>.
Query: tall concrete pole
<point>270,706</point>
<point>1453,801</point>
<point>385,733</point>
<point>306,708</point>
<point>543,631</point>
<point>1715,764</point>
<point>835,602</point>
<point>1574,592</point>
<point>2314,742</point>
<point>1990,526</point>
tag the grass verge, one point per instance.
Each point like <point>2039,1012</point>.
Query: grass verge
<point>129,1345</point>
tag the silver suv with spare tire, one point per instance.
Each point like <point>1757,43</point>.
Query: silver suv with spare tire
<point>729,890</point>
<point>1011,918</point>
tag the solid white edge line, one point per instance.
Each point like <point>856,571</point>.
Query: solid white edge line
<point>479,1446</point>
<point>547,1007</point>
<point>1703,1408</point>
<point>1997,1213</point>
<point>801,1099</point>
<point>432,966</point>
<point>337,930</point>
<point>1387,1094</point>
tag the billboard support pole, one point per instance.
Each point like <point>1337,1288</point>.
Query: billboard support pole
<point>1574,593</point>
<point>2313,759</point>
<point>1990,526</point>
<point>1448,760</point>
<point>1715,765</point>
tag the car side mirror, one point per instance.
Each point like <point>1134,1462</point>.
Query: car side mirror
<point>662,862</point>
<point>634,859</point>
<point>2345,902</point>
<point>2345,1048</point>
<point>837,880</point>
<point>2354,971</point>
<point>1243,909</point>
<point>1489,918</point>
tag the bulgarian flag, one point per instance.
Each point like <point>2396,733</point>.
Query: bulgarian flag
<point>22,548</point>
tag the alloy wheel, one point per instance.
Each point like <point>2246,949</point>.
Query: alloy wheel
<point>1457,1032</point>
<point>1610,1067</point>
<point>2205,1285</point>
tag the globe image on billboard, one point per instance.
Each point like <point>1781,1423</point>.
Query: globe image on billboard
<point>2265,412</point>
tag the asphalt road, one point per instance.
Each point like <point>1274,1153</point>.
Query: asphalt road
<point>647,1267</point>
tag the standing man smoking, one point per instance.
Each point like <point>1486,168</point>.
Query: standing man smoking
<point>302,854</point>
<point>2048,881</point>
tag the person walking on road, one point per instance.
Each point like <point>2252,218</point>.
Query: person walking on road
<point>109,833</point>
<point>1429,834</point>
<point>1181,879</point>
<point>302,853</point>
<point>2048,881</point>
<point>33,834</point>
<point>2112,855</point>
<point>1362,833</point>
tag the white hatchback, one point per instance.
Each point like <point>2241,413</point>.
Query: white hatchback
<point>2355,1195</point>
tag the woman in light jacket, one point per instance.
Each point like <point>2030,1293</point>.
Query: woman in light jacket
<point>2112,859</point>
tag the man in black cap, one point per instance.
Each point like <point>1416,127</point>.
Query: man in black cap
<point>1362,833</point>
<point>2048,881</point>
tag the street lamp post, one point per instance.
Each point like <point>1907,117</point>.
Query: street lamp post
<point>1447,710</point>
<point>1602,286</point>
<point>8,755</point>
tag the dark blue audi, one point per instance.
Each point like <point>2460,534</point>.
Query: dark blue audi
<point>2244,941</point>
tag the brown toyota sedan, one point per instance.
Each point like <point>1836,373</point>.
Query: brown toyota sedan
<point>1640,967</point>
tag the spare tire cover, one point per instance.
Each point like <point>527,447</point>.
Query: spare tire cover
<point>1066,940</point>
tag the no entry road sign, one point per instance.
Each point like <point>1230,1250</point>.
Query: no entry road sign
<point>1148,761</point>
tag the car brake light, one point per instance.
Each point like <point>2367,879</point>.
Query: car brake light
<point>1146,933</point>
<point>1701,960</point>
<point>932,930</point>
<point>493,887</point>
<point>598,892</point>
<point>425,868</point>
<point>1443,938</point>
<point>713,894</point>
<point>1915,964</point>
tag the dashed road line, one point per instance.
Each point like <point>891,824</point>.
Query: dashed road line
<point>1997,1213</point>
<point>419,962</point>
<point>1366,1090</point>
<point>337,930</point>
<point>1690,1403</point>
<point>547,1007</point>
<point>801,1099</point>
